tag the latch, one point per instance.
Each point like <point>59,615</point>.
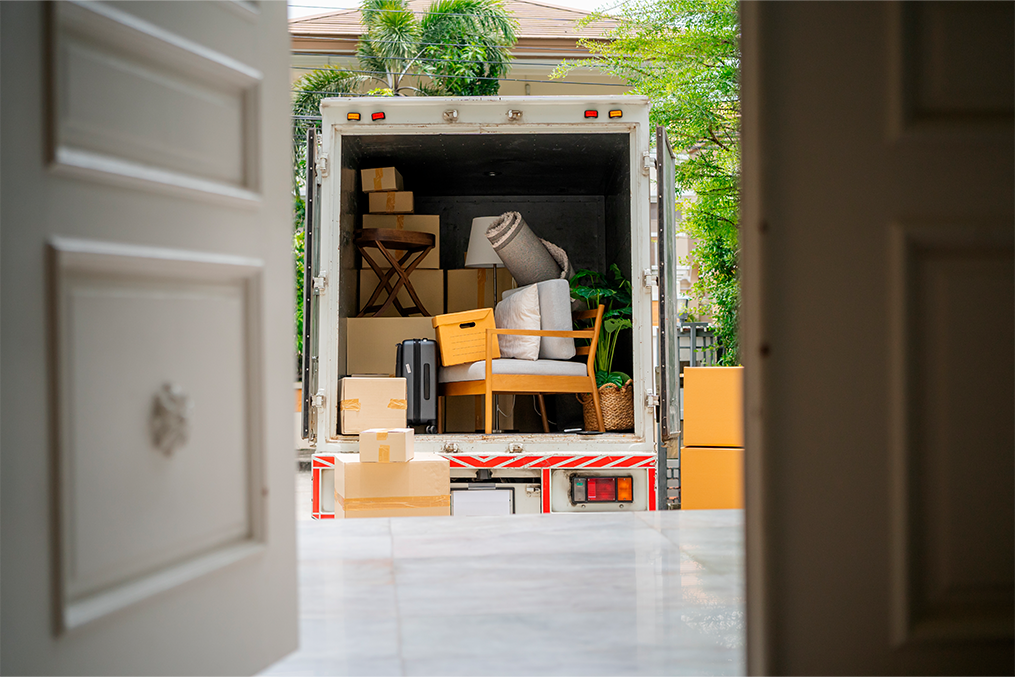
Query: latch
<point>648,163</point>
<point>320,282</point>
<point>319,399</point>
<point>514,115</point>
<point>651,400</point>
<point>322,167</point>
<point>451,115</point>
<point>450,448</point>
<point>650,278</point>
<point>515,448</point>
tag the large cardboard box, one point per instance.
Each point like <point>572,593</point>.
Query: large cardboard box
<point>380,178</point>
<point>391,202</point>
<point>471,288</point>
<point>713,407</point>
<point>370,342</point>
<point>366,403</point>
<point>429,286</point>
<point>711,478</point>
<point>420,487</point>
<point>423,223</point>
<point>379,445</point>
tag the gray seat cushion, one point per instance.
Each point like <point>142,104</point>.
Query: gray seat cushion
<point>476,371</point>
<point>554,315</point>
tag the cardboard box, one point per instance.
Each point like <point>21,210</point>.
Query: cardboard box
<point>420,487</point>
<point>366,403</point>
<point>462,336</point>
<point>391,202</point>
<point>378,445</point>
<point>429,286</point>
<point>370,342</point>
<point>423,223</point>
<point>714,407</point>
<point>380,178</point>
<point>471,288</point>
<point>711,478</point>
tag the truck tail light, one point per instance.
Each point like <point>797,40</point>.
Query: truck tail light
<point>592,489</point>
<point>625,489</point>
<point>352,116</point>
<point>616,113</point>
<point>376,116</point>
<point>591,114</point>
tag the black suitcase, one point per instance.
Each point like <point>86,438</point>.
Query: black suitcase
<point>417,363</point>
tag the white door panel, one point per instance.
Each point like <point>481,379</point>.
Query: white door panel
<point>145,244</point>
<point>878,334</point>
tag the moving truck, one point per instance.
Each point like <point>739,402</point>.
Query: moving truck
<point>580,171</point>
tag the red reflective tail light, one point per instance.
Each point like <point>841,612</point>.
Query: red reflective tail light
<point>591,113</point>
<point>376,116</point>
<point>602,489</point>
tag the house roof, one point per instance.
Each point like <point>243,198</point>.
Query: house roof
<point>536,21</point>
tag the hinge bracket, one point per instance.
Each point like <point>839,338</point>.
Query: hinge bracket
<point>319,399</point>
<point>650,278</point>
<point>322,167</point>
<point>648,163</point>
<point>651,400</point>
<point>320,283</point>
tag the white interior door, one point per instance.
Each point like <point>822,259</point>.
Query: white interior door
<point>878,337</point>
<point>147,461</point>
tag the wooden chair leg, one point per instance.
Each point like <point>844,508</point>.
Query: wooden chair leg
<point>542,411</point>
<point>599,409</point>
<point>488,405</point>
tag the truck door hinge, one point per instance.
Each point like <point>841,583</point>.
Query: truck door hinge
<point>651,400</point>
<point>650,278</point>
<point>319,399</point>
<point>320,283</point>
<point>648,163</point>
<point>322,167</point>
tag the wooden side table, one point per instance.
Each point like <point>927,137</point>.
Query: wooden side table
<point>387,240</point>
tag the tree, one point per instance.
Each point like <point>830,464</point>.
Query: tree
<point>685,56</point>
<point>462,46</point>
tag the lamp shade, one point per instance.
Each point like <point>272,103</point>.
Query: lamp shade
<point>481,253</point>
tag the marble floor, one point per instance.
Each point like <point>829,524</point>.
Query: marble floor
<point>609,594</point>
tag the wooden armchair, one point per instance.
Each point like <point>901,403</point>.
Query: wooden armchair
<point>531,377</point>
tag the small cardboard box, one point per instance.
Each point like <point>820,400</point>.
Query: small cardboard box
<point>378,445</point>
<point>714,406</point>
<point>462,336</point>
<point>381,178</point>
<point>429,286</point>
<point>391,202</point>
<point>711,478</point>
<point>471,288</point>
<point>371,342</point>
<point>420,487</point>
<point>366,403</point>
<point>423,223</point>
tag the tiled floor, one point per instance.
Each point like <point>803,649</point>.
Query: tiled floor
<point>613,594</point>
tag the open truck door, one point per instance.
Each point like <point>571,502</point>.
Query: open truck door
<point>669,289</point>
<point>311,291</point>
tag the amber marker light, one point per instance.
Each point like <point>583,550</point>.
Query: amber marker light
<point>616,113</point>
<point>377,116</point>
<point>591,114</point>
<point>352,116</point>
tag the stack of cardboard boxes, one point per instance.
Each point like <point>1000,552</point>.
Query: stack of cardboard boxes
<point>371,341</point>
<point>712,457</point>
<point>386,478</point>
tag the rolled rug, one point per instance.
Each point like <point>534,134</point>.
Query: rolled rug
<point>524,254</point>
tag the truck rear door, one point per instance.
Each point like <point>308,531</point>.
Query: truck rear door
<point>311,292</point>
<point>669,289</point>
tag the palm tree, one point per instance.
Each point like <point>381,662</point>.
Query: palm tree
<point>462,45</point>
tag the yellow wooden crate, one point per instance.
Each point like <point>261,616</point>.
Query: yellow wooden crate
<point>462,336</point>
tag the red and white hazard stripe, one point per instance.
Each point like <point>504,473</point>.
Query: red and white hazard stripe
<point>555,461</point>
<point>319,462</point>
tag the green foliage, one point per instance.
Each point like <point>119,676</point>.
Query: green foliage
<point>614,292</point>
<point>685,56</point>
<point>457,44</point>
<point>299,234</point>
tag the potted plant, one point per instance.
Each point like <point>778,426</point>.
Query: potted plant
<point>616,390</point>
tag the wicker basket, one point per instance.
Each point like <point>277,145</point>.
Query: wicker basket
<point>617,405</point>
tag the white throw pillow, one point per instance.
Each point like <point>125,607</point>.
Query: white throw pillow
<point>519,311</point>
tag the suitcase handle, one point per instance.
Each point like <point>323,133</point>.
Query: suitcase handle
<point>426,381</point>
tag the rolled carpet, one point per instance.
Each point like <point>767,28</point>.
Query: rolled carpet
<point>523,253</point>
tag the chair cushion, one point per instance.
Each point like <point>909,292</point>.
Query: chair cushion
<point>476,371</point>
<point>519,311</point>
<point>554,315</point>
